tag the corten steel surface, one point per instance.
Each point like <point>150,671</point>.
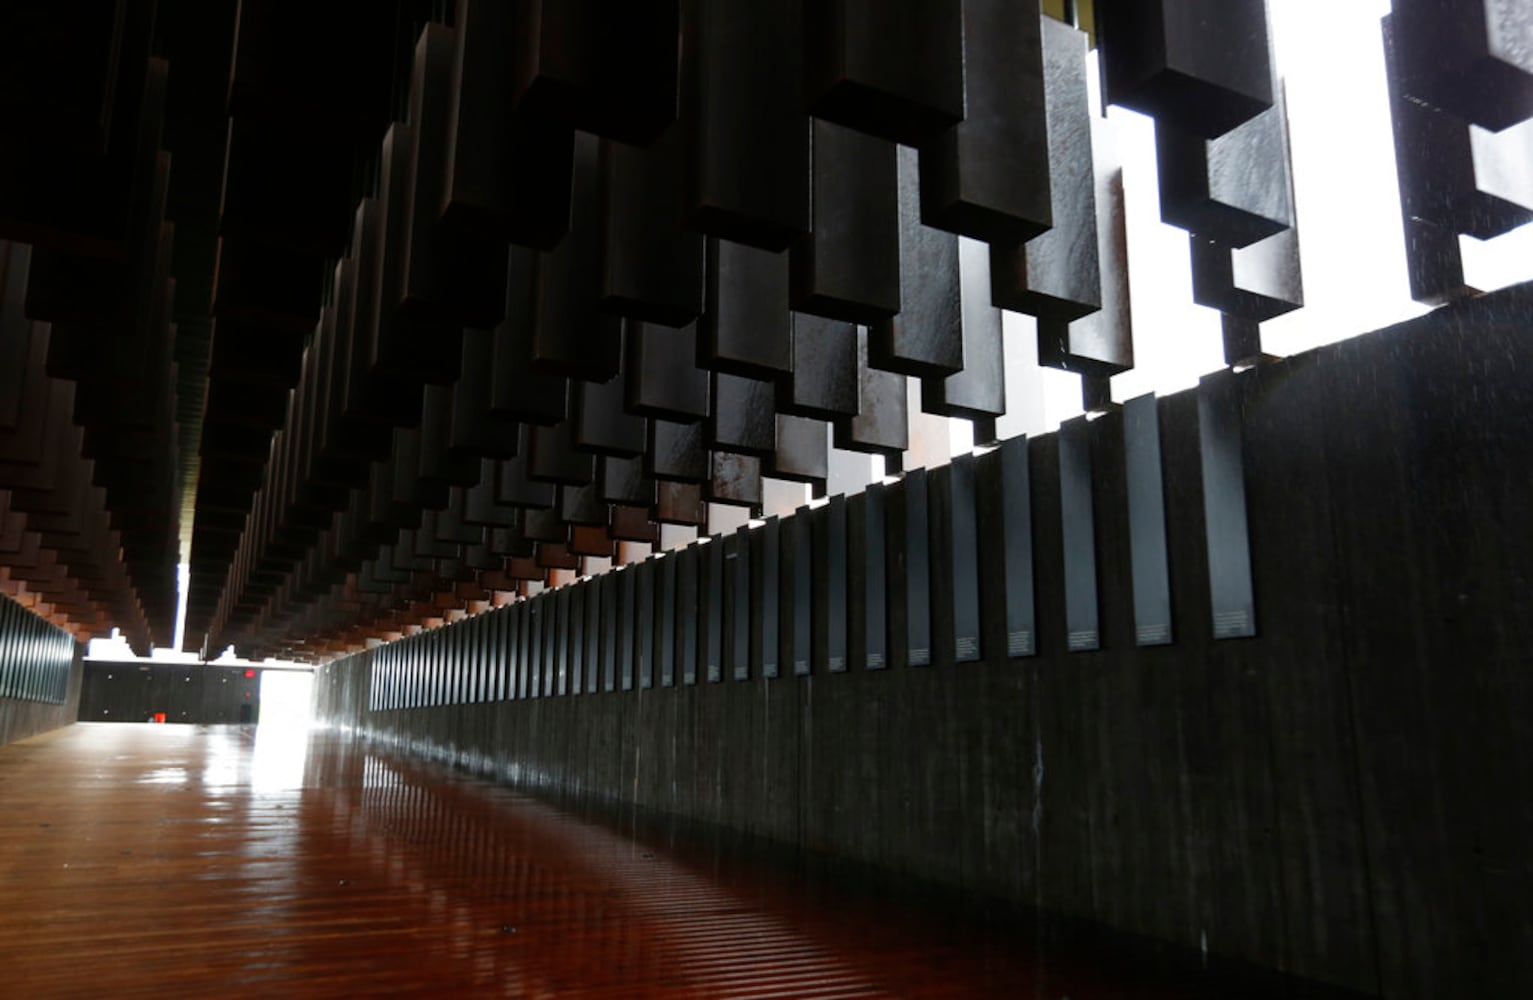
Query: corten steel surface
<point>153,860</point>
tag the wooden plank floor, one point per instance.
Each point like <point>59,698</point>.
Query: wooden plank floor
<point>138,859</point>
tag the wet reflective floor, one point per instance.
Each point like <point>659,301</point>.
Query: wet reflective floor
<point>171,860</point>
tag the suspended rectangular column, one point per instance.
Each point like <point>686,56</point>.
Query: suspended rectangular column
<point>925,339</point>
<point>743,90</point>
<point>988,176</point>
<point>1204,64</point>
<point>893,70</point>
<point>848,266</point>
<point>1057,274</point>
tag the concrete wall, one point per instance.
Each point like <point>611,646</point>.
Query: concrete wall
<point>1344,797</point>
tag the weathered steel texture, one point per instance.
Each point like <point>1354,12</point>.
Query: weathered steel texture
<point>553,458</point>
<point>744,415</point>
<point>603,425</point>
<point>1472,58</point>
<point>1204,64</point>
<point>925,339</point>
<point>652,269</point>
<point>571,336</point>
<point>661,373</point>
<point>823,381</point>
<point>892,70</point>
<point>802,453</point>
<point>1058,274</point>
<point>680,503</point>
<point>988,176</point>
<point>1255,283</point>
<point>517,391</point>
<point>734,479</point>
<point>979,391</point>
<point>1235,189</point>
<point>881,426</point>
<point>742,90</point>
<point>624,481</point>
<point>746,327</point>
<point>847,266</point>
<point>1100,344</point>
<point>677,452</point>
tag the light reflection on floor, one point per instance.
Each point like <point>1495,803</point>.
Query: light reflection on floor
<point>274,860</point>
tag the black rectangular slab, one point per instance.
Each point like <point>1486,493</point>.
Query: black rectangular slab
<point>553,457</point>
<point>599,612</point>
<point>738,573</point>
<point>915,533</point>
<point>848,266</point>
<point>566,628</point>
<point>743,417</point>
<point>661,374</point>
<point>476,430</point>
<point>1235,189</point>
<point>625,630</point>
<point>798,572</point>
<point>1472,59</point>
<point>766,631</point>
<point>712,597</point>
<point>1058,273</point>
<point>881,426</point>
<point>582,650</point>
<point>665,611</point>
<point>652,268</point>
<point>689,630</point>
<point>571,336</point>
<point>867,522</point>
<point>925,338</point>
<point>610,70</point>
<point>553,630</point>
<point>823,382</point>
<point>1204,64</point>
<point>834,519</point>
<point>734,480</point>
<point>1147,521</point>
<point>746,326</point>
<point>603,424</point>
<point>517,489</point>
<point>803,452</point>
<point>518,391</point>
<point>978,392</point>
<point>1016,506</point>
<point>1254,283</point>
<point>963,558</point>
<point>1078,536</point>
<point>743,90</point>
<point>677,452</point>
<point>988,176</point>
<point>623,481</point>
<point>892,70</point>
<point>610,585</point>
<point>644,646</point>
<point>1220,444</point>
